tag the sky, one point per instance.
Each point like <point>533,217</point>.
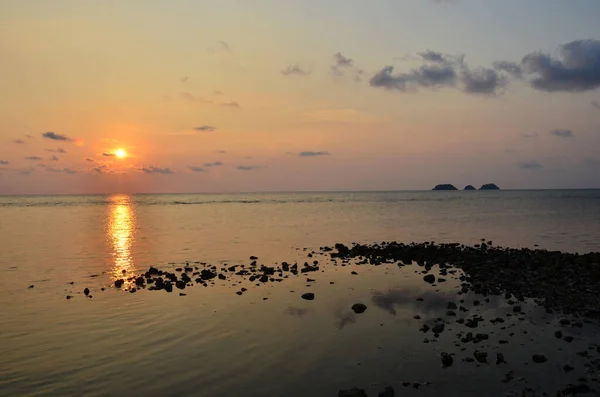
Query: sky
<point>282,95</point>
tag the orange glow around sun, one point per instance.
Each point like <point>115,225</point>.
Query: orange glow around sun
<point>120,153</point>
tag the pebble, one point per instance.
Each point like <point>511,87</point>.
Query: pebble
<point>359,308</point>
<point>308,296</point>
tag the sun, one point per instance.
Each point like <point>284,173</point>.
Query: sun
<point>120,153</point>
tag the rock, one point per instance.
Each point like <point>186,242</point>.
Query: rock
<point>470,187</point>
<point>352,393</point>
<point>424,328</point>
<point>168,286</point>
<point>539,358</point>
<point>452,306</point>
<point>500,359</point>
<point>182,294</point>
<point>308,296</point>
<point>568,368</point>
<point>516,309</point>
<point>565,321</point>
<point>573,390</point>
<point>480,356</point>
<point>31,286</point>
<point>489,186</point>
<point>69,297</point>
<point>430,278</point>
<point>445,186</point>
<point>387,392</point>
<point>446,359</point>
<point>222,276</point>
<point>359,308</point>
<point>253,258</point>
<point>558,334</point>
<point>180,284</point>
<point>568,339</point>
<point>119,283</point>
<point>206,274</point>
<point>438,328</point>
<point>354,273</point>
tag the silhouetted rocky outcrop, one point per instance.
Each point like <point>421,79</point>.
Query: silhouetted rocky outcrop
<point>470,187</point>
<point>445,186</point>
<point>489,186</point>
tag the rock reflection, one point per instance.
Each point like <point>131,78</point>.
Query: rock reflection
<point>120,232</point>
<point>343,318</point>
<point>388,300</point>
<point>296,311</point>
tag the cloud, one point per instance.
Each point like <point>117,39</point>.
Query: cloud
<point>249,167</point>
<point>576,68</point>
<point>4,162</point>
<point>197,169</point>
<point>591,162</point>
<point>509,67</point>
<point>438,71</point>
<point>562,133</point>
<point>220,151</point>
<point>530,165</point>
<point>19,141</point>
<point>529,135</point>
<point>295,70</point>
<point>184,79</point>
<point>313,154</point>
<point>53,158</point>
<point>90,160</point>
<point>219,46</point>
<point>108,154</point>
<point>213,164</point>
<point>59,150</point>
<point>56,137</point>
<point>231,104</point>
<point>156,170</point>
<point>102,169</point>
<point>29,136</point>
<point>63,170</point>
<point>342,64</point>
<point>205,128</point>
<point>33,158</point>
<point>596,104</point>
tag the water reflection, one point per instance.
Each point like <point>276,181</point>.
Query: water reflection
<point>121,234</point>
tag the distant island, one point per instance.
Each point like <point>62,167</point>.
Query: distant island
<point>445,186</point>
<point>489,186</point>
<point>448,186</point>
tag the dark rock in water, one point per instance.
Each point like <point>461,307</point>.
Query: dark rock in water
<point>446,359</point>
<point>424,328</point>
<point>264,278</point>
<point>86,291</point>
<point>445,186</point>
<point>489,186</point>
<point>182,294</point>
<point>354,273</point>
<point>480,356</point>
<point>568,368</point>
<point>470,187</point>
<point>565,321</point>
<point>430,278</point>
<point>253,258</point>
<point>119,283</point>
<point>573,390</point>
<point>139,281</point>
<point>308,296</point>
<point>69,297</point>
<point>558,334</point>
<point>222,276</point>
<point>539,358</point>
<point>452,306</point>
<point>206,274</point>
<point>517,309</point>
<point>359,308</point>
<point>438,328</point>
<point>387,392</point>
<point>168,286</point>
<point>352,393</point>
<point>500,359</point>
<point>31,286</point>
<point>180,284</point>
<point>568,339</point>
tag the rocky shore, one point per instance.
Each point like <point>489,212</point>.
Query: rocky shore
<point>565,285</point>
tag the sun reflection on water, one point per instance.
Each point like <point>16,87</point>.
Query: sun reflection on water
<point>121,233</point>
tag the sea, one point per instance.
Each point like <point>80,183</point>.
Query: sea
<point>267,341</point>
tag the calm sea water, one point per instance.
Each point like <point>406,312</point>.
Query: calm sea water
<point>215,343</point>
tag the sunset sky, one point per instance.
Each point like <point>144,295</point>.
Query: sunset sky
<point>279,95</point>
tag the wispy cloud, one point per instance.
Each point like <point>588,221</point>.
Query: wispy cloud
<point>343,64</point>
<point>219,46</point>
<point>205,128</point>
<point>231,104</point>
<point>220,151</point>
<point>529,135</point>
<point>213,164</point>
<point>184,79</point>
<point>59,150</point>
<point>249,167</point>
<point>108,154</point>
<point>295,70</point>
<point>509,67</point>
<point>312,154</point>
<point>19,141</point>
<point>63,170</point>
<point>197,169</point>
<point>596,104</point>
<point>90,160</point>
<point>562,133</point>
<point>54,158</point>
<point>530,165</point>
<point>156,170</point>
<point>4,162</point>
<point>591,162</point>
<point>56,137</point>
<point>35,158</point>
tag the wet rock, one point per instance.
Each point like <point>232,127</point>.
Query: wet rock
<point>86,291</point>
<point>438,328</point>
<point>516,309</point>
<point>539,358</point>
<point>446,359</point>
<point>568,368</point>
<point>452,306</point>
<point>69,297</point>
<point>359,308</point>
<point>119,283</point>
<point>430,278</point>
<point>308,296</point>
<point>565,321</point>
<point>222,276</point>
<point>354,273</point>
<point>568,339</point>
<point>168,286</point>
<point>424,328</point>
<point>180,284</point>
<point>480,356</point>
<point>31,286</point>
<point>558,334</point>
<point>352,393</point>
<point>500,359</point>
<point>206,274</point>
<point>574,390</point>
<point>387,392</point>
